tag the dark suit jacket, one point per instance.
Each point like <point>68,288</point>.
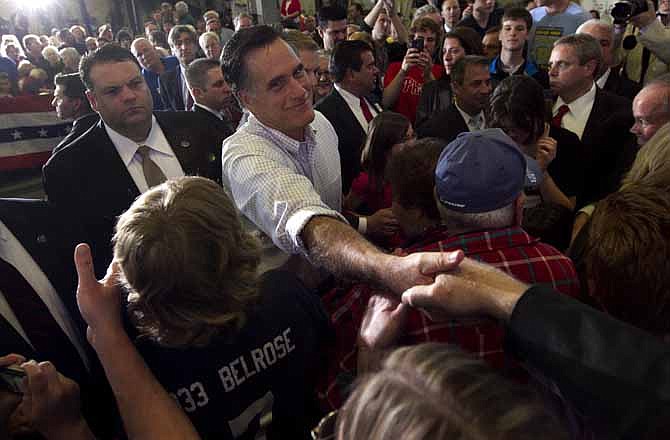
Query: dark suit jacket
<point>79,127</point>
<point>223,127</point>
<point>445,124</point>
<point>616,375</point>
<point>620,85</point>
<point>350,134</point>
<point>170,89</point>
<point>89,179</point>
<point>50,237</point>
<point>610,147</point>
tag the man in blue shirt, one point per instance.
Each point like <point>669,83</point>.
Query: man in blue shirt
<point>152,67</point>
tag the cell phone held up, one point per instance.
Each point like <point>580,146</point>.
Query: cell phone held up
<point>417,43</point>
<point>11,378</point>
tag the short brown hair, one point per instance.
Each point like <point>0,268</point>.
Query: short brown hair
<point>435,391</point>
<point>189,266</point>
<point>411,172</point>
<point>425,24</point>
<point>627,256</point>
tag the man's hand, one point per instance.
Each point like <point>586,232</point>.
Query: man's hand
<point>645,18</point>
<point>471,290</point>
<point>545,152</point>
<point>98,301</point>
<point>8,401</point>
<point>382,224</point>
<point>419,268</point>
<point>412,58</point>
<point>51,402</point>
<point>467,11</point>
<point>382,325</point>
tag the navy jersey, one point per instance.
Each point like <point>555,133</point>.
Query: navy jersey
<point>264,377</point>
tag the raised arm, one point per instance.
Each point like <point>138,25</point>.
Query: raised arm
<point>148,412</point>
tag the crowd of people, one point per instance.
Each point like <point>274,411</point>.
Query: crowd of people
<point>354,225</point>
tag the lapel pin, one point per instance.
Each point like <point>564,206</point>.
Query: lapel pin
<point>184,144</point>
<point>212,157</point>
<point>41,239</point>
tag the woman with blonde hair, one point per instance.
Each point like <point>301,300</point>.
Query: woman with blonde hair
<point>432,391</point>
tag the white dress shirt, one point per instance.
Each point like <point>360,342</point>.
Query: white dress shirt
<point>469,119</point>
<point>279,183</point>
<point>13,252</point>
<point>354,103</point>
<point>603,79</point>
<point>161,153</point>
<point>185,92</point>
<point>580,109</point>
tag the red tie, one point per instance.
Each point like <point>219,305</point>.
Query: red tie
<point>558,118</point>
<point>366,110</point>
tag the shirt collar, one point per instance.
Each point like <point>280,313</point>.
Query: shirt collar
<point>280,139</point>
<point>467,117</point>
<point>351,99</point>
<point>603,78</point>
<point>580,103</point>
<point>128,147</point>
<point>211,110</point>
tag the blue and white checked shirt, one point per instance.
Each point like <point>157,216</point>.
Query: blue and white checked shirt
<point>279,183</point>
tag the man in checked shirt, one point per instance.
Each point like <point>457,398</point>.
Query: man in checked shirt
<point>478,182</point>
<point>282,169</point>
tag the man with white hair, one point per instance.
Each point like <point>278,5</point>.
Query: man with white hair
<point>153,66</point>
<point>210,44</point>
<point>182,15</point>
<point>608,79</point>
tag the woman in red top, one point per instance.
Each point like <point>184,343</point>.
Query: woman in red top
<point>370,193</point>
<point>290,13</point>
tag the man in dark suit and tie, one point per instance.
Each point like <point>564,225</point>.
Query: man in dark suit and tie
<point>471,86</point>
<point>39,318</point>
<point>600,119</point>
<point>173,88</point>
<point>211,94</point>
<point>130,150</point>
<point>354,71</point>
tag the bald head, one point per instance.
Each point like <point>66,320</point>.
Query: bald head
<point>651,109</point>
<point>146,54</point>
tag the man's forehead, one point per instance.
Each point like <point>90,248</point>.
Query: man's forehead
<point>310,59</point>
<point>270,61</point>
<point>563,51</point>
<point>514,22</point>
<point>114,73</point>
<point>337,25</point>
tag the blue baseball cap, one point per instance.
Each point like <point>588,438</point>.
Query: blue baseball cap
<point>480,171</point>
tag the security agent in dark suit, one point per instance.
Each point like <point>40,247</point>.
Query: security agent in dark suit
<point>100,173</point>
<point>39,318</point>
<point>70,103</point>
<point>471,86</point>
<point>173,87</point>
<point>212,95</point>
<point>353,68</point>
<point>601,120</point>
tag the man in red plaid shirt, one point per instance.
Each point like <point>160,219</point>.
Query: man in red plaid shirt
<point>478,182</point>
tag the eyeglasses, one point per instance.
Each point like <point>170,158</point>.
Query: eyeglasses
<point>325,430</point>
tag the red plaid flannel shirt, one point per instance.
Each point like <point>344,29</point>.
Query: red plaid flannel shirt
<point>509,249</point>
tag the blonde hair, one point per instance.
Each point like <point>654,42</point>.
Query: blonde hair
<point>433,391</point>
<point>652,164</point>
<point>189,266</point>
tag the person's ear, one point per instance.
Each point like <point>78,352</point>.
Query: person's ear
<point>592,67</point>
<point>90,95</point>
